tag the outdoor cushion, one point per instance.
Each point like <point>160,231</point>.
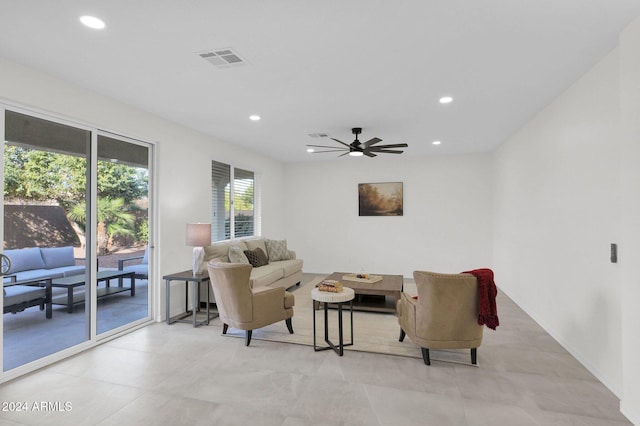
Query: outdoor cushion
<point>22,293</point>
<point>55,257</point>
<point>139,269</point>
<point>25,259</point>
<point>36,274</point>
<point>145,257</point>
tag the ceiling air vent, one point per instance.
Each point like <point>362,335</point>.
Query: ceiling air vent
<point>222,58</point>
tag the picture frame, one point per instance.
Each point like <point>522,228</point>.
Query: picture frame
<point>380,199</point>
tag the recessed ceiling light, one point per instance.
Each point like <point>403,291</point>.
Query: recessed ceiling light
<point>446,99</point>
<point>254,117</point>
<point>436,143</point>
<point>310,150</point>
<point>92,22</point>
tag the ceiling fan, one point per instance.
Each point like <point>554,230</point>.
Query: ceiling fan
<point>357,148</point>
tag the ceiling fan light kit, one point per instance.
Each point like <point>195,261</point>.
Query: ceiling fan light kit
<point>358,149</point>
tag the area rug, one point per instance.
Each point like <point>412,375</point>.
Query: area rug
<point>373,332</point>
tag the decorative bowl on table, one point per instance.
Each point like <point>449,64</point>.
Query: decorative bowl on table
<point>363,278</point>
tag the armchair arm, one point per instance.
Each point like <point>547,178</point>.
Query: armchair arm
<point>265,294</point>
<point>121,261</point>
<point>268,304</point>
<point>407,313</point>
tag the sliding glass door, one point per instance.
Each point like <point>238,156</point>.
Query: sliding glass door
<point>76,231</point>
<point>122,232</point>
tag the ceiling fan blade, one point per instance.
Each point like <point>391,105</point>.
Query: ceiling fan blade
<point>395,145</point>
<point>329,150</point>
<point>345,144</point>
<point>370,142</point>
<point>342,155</point>
<point>327,146</point>
<point>387,151</point>
<point>369,153</point>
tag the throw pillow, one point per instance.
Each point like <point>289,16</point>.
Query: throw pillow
<point>257,257</point>
<point>236,255</point>
<point>277,250</point>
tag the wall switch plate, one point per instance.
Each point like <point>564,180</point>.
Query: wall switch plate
<point>614,253</point>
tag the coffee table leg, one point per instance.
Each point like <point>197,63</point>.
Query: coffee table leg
<point>133,285</point>
<point>314,324</point>
<point>340,338</point>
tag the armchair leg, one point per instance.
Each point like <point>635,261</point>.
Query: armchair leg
<point>289,325</point>
<point>248,338</point>
<point>225,327</point>
<point>402,334</point>
<point>425,356</point>
<point>474,356</point>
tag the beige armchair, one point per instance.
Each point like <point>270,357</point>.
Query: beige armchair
<point>445,315</point>
<point>243,307</point>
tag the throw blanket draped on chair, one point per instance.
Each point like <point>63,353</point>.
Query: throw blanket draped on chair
<point>487,291</point>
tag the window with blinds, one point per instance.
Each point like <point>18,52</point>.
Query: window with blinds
<point>233,206</point>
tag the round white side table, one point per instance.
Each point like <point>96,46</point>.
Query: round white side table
<point>326,298</point>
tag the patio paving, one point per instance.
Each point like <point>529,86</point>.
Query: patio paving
<point>28,335</point>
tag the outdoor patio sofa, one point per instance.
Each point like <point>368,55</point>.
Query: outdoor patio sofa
<point>28,282</point>
<point>18,297</point>
<point>141,268</point>
<point>36,263</point>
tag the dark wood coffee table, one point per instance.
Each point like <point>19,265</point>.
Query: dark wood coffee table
<point>380,296</point>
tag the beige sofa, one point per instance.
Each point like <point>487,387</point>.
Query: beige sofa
<point>283,269</point>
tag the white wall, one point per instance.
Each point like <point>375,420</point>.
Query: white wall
<point>630,221</point>
<point>446,227</point>
<point>556,212</point>
<point>184,160</point>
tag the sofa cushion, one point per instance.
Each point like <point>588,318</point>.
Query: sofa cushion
<point>257,257</point>
<point>236,255</point>
<point>277,250</point>
<point>25,259</point>
<point>219,250</point>
<point>266,275</point>
<point>290,267</point>
<point>55,257</point>
<point>255,243</point>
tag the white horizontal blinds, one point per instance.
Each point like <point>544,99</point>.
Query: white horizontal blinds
<point>243,203</point>
<point>220,201</point>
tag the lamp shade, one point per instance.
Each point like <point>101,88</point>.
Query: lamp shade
<point>198,234</point>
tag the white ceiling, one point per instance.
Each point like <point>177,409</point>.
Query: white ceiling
<point>325,66</point>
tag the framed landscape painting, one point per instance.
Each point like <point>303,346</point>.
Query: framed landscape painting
<point>380,199</point>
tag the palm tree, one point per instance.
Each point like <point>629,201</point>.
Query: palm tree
<point>113,220</point>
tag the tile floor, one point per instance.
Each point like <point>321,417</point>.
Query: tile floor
<point>174,375</point>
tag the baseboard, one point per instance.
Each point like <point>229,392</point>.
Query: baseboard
<point>630,413</point>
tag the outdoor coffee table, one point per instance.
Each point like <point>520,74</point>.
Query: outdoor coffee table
<point>389,289</point>
<point>70,283</point>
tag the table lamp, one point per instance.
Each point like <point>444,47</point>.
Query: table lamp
<point>198,236</point>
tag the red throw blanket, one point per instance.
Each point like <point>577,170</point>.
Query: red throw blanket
<point>487,291</point>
